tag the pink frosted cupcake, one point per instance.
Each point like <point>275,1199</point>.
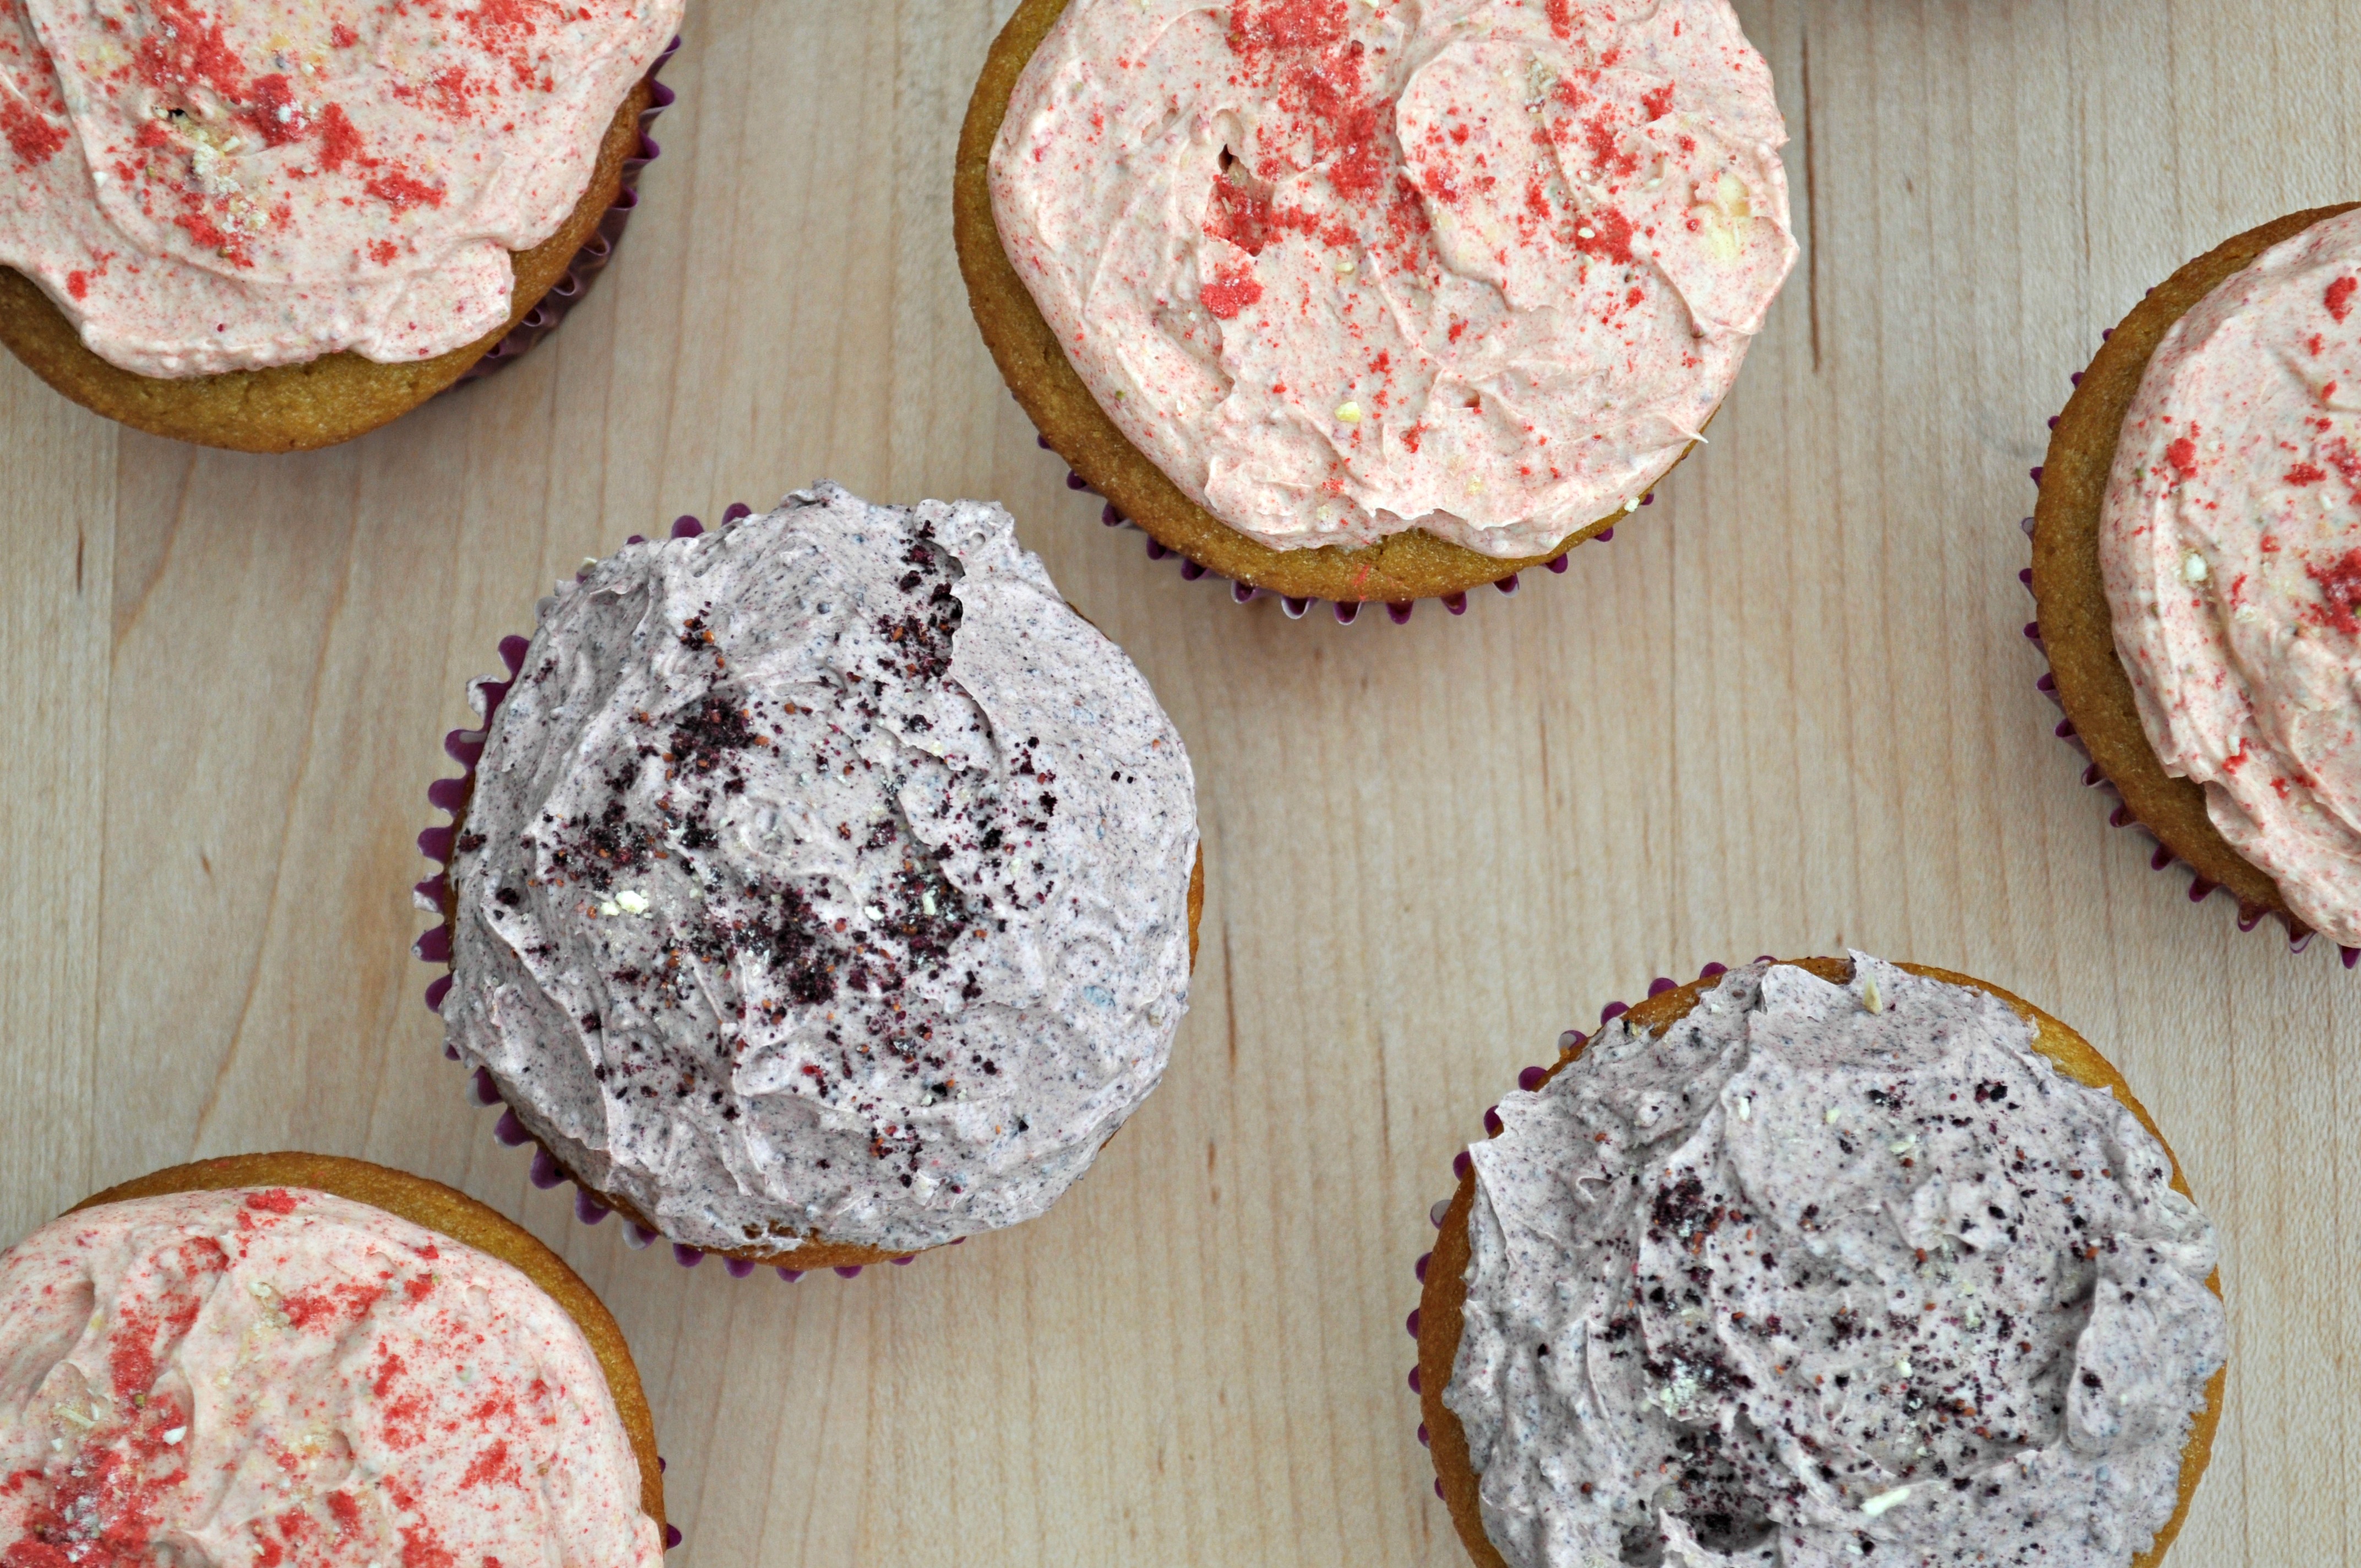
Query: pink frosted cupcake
<point>273,229</point>
<point>1372,303</point>
<point>296,1360</point>
<point>2196,568</point>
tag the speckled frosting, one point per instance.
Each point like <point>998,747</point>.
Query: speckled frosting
<point>212,185</point>
<point>1345,268</point>
<point>1827,1273</point>
<point>252,1378</point>
<point>826,877</point>
<point>2231,546</point>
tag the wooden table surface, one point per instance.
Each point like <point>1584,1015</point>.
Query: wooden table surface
<point>1787,710</point>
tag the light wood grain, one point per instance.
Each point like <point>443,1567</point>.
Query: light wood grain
<point>1788,708</point>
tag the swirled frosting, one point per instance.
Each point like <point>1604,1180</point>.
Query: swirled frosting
<point>826,876</point>
<point>1829,1273</point>
<point>1479,267</point>
<point>251,1378</point>
<point>209,185</point>
<point>2230,542</point>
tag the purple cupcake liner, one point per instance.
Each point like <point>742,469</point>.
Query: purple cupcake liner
<point>600,250</point>
<point>465,747</point>
<point>1527,1080</point>
<point>1346,611</point>
<point>2160,859</point>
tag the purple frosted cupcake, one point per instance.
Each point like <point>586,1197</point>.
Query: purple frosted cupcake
<point>1824,1261</point>
<point>826,888</point>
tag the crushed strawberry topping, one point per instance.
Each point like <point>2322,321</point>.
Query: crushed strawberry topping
<point>2230,547</point>
<point>1497,258</point>
<point>273,175</point>
<point>262,1301</point>
<point>2340,591</point>
<point>32,138</point>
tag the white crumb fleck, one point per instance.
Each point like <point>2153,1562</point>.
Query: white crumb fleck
<point>1872,1506</point>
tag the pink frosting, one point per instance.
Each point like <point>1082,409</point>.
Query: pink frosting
<point>1344,268</point>
<point>272,1377</point>
<point>208,185</point>
<point>2231,544</point>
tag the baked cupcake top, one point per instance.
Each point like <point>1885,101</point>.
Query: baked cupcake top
<point>2231,546</point>
<point>826,876</point>
<point>209,185</point>
<point>277,1375</point>
<point>1483,268</point>
<point>1828,1270</point>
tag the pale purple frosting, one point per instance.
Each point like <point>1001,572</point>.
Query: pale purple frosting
<point>826,875</point>
<point>1829,1274</point>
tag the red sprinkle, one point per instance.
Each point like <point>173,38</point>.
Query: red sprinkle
<point>1606,157</point>
<point>2339,297</point>
<point>1239,216</point>
<point>184,48</point>
<point>331,1305</point>
<point>107,1500</point>
<point>2181,455</point>
<point>422,1548</point>
<point>1611,235</point>
<point>30,137</point>
<point>387,1369</point>
<point>1286,24</point>
<point>2340,592</point>
<point>1231,291</point>
<point>502,27</point>
<point>1301,47</point>
<point>339,140</point>
<point>273,94</point>
<point>492,1466</point>
<point>402,192</point>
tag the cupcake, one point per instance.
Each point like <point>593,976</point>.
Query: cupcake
<point>2197,570</point>
<point>295,1359</point>
<point>273,230</point>
<point>1812,1262</point>
<point>1371,302</point>
<point>826,888</point>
